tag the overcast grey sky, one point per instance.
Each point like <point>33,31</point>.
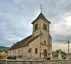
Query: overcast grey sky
<point>16,17</point>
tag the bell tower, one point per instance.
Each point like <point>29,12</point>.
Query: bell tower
<point>40,23</point>
<point>41,26</point>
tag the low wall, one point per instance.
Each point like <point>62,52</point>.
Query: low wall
<point>57,62</point>
<point>20,62</point>
<point>36,62</point>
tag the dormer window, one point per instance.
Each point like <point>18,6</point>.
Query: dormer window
<point>36,27</point>
<point>44,26</point>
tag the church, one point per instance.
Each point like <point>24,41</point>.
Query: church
<point>36,45</point>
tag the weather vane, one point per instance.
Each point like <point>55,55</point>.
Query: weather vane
<point>41,7</point>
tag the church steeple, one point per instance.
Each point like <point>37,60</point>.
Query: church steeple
<point>40,23</point>
<point>41,16</point>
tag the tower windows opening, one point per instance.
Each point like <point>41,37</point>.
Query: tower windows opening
<point>36,27</point>
<point>44,26</point>
<point>36,51</point>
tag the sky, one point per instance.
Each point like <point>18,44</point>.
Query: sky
<point>16,17</point>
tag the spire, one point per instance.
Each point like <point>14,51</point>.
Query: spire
<point>41,8</point>
<point>41,16</point>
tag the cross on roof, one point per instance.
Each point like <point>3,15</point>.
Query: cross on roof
<point>41,7</point>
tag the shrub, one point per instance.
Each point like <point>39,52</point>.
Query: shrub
<point>48,58</point>
<point>11,57</point>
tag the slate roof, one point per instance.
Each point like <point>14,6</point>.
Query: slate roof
<point>24,42</point>
<point>41,16</point>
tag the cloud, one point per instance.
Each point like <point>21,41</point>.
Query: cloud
<point>61,30</point>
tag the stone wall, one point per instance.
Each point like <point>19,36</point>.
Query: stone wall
<point>58,62</point>
<point>36,62</point>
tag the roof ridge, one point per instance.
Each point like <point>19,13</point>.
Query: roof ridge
<point>23,42</point>
<point>19,44</point>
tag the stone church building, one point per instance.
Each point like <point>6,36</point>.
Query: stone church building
<point>37,45</point>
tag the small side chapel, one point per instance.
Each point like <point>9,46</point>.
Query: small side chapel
<point>37,45</point>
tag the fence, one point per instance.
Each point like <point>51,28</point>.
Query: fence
<point>36,62</point>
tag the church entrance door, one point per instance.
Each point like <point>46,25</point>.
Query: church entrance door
<point>45,53</point>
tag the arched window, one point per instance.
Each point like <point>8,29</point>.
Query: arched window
<point>36,51</point>
<point>29,50</point>
<point>44,26</point>
<point>36,27</point>
<point>44,42</point>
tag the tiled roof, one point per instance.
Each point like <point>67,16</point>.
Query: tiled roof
<point>20,43</point>
<point>42,17</point>
<point>23,42</point>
